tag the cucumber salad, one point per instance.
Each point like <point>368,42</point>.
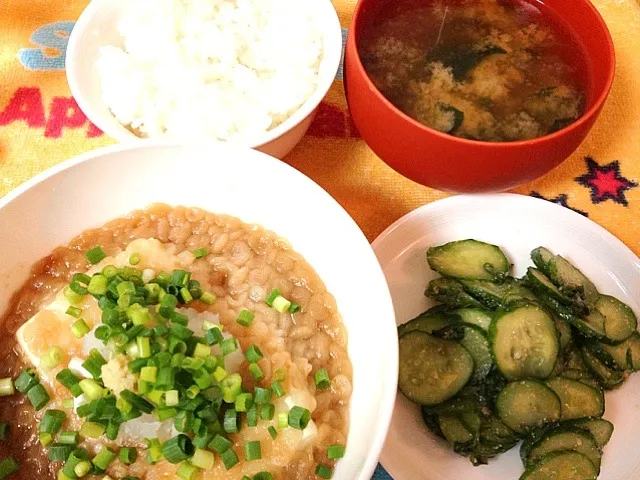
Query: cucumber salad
<point>503,360</point>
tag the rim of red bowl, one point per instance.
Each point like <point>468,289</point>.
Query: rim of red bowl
<point>586,116</point>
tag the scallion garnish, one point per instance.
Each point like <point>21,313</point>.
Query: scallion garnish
<point>59,452</point>
<point>261,395</point>
<point>92,430</point>
<point>245,318</point>
<point>80,328</point>
<point>201,252</point>
<point>252,416</point>
<point>220,444</point>
<point>95,255</point>
<point>104,457</point>
<point>188,471</point>
<point>299,417</point>
<point>263,476</point>
<point>229,458</point>
<point>272,296</point>
<point>202,459</point>
<point>69,437</point>
<point>324,471</point>
<point>78,456</point>
<point>178,449</point>
<point>52,421</point>
<point>256,372</point>
<point>335,451</point>
<point>283,420</point>
<point>228,346</point>
<point>243,402</point>
<point>253,354</point>
<point>8,467</point>
<point>230,423</point>
<point>74,311</point>
<point>252,451</point>
<point>281,304</point>
<point>134,259</point>
<point>277,389</point>
<point>38,396</point>
<point>45,439</point>
<point>267,411</point>
<point>273,432</point>
<point>322,379</point>
<point>127,455</point>
<point>26,380</point>
<point>294,307</point>
<point>98,284</point>
<point>208,298</point>
<point>137,401</point>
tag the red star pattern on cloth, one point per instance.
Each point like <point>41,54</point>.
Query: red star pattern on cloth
<point>606,182</point>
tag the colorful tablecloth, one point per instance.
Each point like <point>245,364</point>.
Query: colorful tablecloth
<point>41,125</point>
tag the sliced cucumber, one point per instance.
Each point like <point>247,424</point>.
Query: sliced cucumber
<point>569,278</point>
<point>428,322</point>
<point>469,259</point>
<point>471,421</point>
<point>496,295</point>
<point>602,353</point>
<point>450,292</point>
<point>527,404</point>
<point>600,428</point>
<point>591,326</point>
<point>625,355</point>
<point>453,429</point>
<point>562,466</point>
<point>620,321</point>
<point>539,283</point>
<point>476,343</point>
<point>524,341</point>
<point>607,377</point>
<point>475,316</point>
<point>565,336</point>
<point>494,431</point>
<point>578,399</point>
<point>563,439</point>
<point>541,258</point>
<point>432,370</point>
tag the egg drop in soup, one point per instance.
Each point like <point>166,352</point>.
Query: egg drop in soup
<point>489,70</point>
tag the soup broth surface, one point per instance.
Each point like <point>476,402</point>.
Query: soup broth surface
<point>490,70</point>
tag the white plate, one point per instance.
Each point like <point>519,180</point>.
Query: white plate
<point>518,224</point>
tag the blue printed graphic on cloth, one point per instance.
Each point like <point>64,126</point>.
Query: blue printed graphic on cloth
<point>381,474</point>
<point>52,36</point>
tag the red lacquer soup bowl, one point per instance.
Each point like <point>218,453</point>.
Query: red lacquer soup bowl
<point>449,163</point>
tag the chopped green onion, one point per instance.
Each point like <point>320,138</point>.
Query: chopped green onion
<point>45,438</point>
<point>294,308</point>
<point>166,378</point>
<point>8,467</point>
<point>180,278</point>
<point>322,379</point>
<point>143,386</point>
<point>178,449</point>
<point>281,304</point>
<point>272,296</point>
<point>155,395</point>
<point>252,451</point>
<point>263,476</point>
<point>167,306</point>
<point>127,455</point>
<point>299,417</point>
<point>220,444</point>
<point>208,298</point>
<point>231,386</point>
<point>82,468</point>
<point>202,351</point>
<point>91,388</point>
<point>59,452</point>
<point>4,431</point>
<point>104,458</point>
<point>78,456</point>
<point>165,413</point>
<point>38,396</point>
<point>252,416</point>
<point>277,389</point>
<point>267,411</point>
<point>52,421</point>
<point>245,318</point>
<point>110,271</point>
<point>243,402</point>
<point>68,403</point>
<point>253,354</point>
<point>256,372</point>
<point>280,375</point>
<point>95,255</point>
<point>125,288</point>
<point>73,297</point>
<point>202,459</point>
<point>187,471</point>
<point>228,346</point>
<point>229,458</point>
<point>69,437</point>
<point>262,395</point>
<point>213,336</point>
<point>202,441</point>
<point>324,471</point>
<point>230,423</point>
<point>26,380</point>
<point>201,252</point>
<point>171,398</point>
<point>154,451</point>
<point>144,347</point>
<point>134,259</point>
<point>185,294</point>
<point>137,401</point>
<point>149,374</point>
<point>79,283</point>
<point>80,328</point>
<point>138,314</point>
<point>102,333</point>
<point>74,311</point>
<point>202,378</point>
<point>335,451</point>
<point>283,420</point>
<point>92,430</point>
<point>219,374</point>
<point>180,331</point>
<point>193,391</point>
<point>138,364</point>
<point>94,363</point>
<point>98,284</point>
<point>273,432</point>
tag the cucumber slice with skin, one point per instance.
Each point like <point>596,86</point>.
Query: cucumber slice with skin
<point>562,466</point>
<point>541,258</point>
<point>450,292</point>
<point>453,429</point>
<point>539,282</point>
<point>527,404</point>
<point>620,321</point>
<point>476,343</point>
<point>496,295</point>
<point>524,342</point>
<point>432,370</point>
<point>601,353</point>
<point>475,316</point>
<point>600,428</point>
<point>625,355</point>
<point>428,323</point>
<point>578,399</point>
<point>591,326</point>
<point>470,259</point>
<point>608,378</point>
<point>565,275</point>
<point>565,438</point>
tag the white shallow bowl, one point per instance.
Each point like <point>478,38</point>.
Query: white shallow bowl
<point>97,26</point>
<point>518,224</point>
<point>94,188</point>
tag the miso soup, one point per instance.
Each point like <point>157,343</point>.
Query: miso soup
<point>490,70</point>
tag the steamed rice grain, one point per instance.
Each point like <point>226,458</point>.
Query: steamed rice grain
<point>224,69</point>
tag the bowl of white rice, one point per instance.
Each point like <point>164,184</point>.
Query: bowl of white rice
<point>251,72</point>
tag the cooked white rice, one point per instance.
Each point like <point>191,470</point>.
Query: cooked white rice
<point>223,69</point>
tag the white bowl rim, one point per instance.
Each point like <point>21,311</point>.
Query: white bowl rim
<point>387,401</point>
<point>332,50</point>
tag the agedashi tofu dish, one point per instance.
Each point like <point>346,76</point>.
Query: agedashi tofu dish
<point>174,343</point>
<point>489,70</point>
